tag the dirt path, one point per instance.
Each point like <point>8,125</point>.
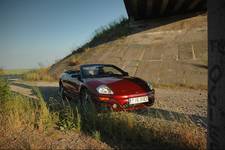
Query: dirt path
<point>171,104</point>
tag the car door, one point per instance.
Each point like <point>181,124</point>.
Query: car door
<point>65,81</point>
<point>74,84</point>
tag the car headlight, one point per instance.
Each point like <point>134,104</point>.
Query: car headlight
<point>103,89</point>
<point>150,85</point>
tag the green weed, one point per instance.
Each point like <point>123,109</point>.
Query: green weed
<point>20,111</point>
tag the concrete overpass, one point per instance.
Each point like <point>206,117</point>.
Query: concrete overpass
<point>147,9</point>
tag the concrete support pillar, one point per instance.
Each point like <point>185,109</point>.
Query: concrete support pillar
<point>149,7</point>
<point>194,4</point>
<point>216,75</point>
<point>134,4</point>
<point>163,6</point>
<point>178,5</point>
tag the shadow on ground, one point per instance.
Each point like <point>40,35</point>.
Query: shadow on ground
<point>173,116</point>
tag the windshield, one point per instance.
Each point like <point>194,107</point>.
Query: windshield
<point>97,71</point>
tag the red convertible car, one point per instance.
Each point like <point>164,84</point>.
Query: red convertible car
<point>107,86</point>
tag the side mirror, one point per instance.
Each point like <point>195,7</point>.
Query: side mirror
<point>126,74</point>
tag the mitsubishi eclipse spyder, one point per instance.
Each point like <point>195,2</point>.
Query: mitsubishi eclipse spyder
<point>107,87</point>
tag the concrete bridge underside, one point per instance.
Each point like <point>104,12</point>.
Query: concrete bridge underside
<point>147,9</point>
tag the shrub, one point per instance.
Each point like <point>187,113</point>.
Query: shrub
<point>38,74</point>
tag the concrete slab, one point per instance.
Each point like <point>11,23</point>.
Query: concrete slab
<point>149,71</point>
<point>185,51</point>
<point>200,49</point>
<point>170,52</point>
<point>132,63</point>
<point>134,52</point>
<point>119,51</point>
<point>153,52</point>
<point>193,73</point>
<point>168,73</point>
<point>131,70</point>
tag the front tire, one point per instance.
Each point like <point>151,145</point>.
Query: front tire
<point>86,100</point>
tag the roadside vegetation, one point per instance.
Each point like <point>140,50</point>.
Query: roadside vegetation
<point>15,71</point>
<point>41,74</point>
<point>1,71</point>
<point>120,130</point>
<point>18,111</point>
<point>27,123</point>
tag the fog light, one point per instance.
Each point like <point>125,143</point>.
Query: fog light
<point>114,106</point>
<point>104,98</point>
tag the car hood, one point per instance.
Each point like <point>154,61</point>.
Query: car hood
<point>120,85</point>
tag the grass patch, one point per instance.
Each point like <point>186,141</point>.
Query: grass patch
<point>18,111</point>
<point>41,74</point>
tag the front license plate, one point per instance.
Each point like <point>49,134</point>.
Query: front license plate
<point>137,100</point>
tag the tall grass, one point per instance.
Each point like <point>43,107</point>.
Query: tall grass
<point>17,111</point>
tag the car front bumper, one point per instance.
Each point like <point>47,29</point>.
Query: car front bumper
<point>121,102</point>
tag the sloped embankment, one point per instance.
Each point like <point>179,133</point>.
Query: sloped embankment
<point>171,54</point>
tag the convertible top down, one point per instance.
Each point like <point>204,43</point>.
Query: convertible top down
<point>107,86</point>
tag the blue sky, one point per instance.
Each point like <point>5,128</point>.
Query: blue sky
<point>41,31</point>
